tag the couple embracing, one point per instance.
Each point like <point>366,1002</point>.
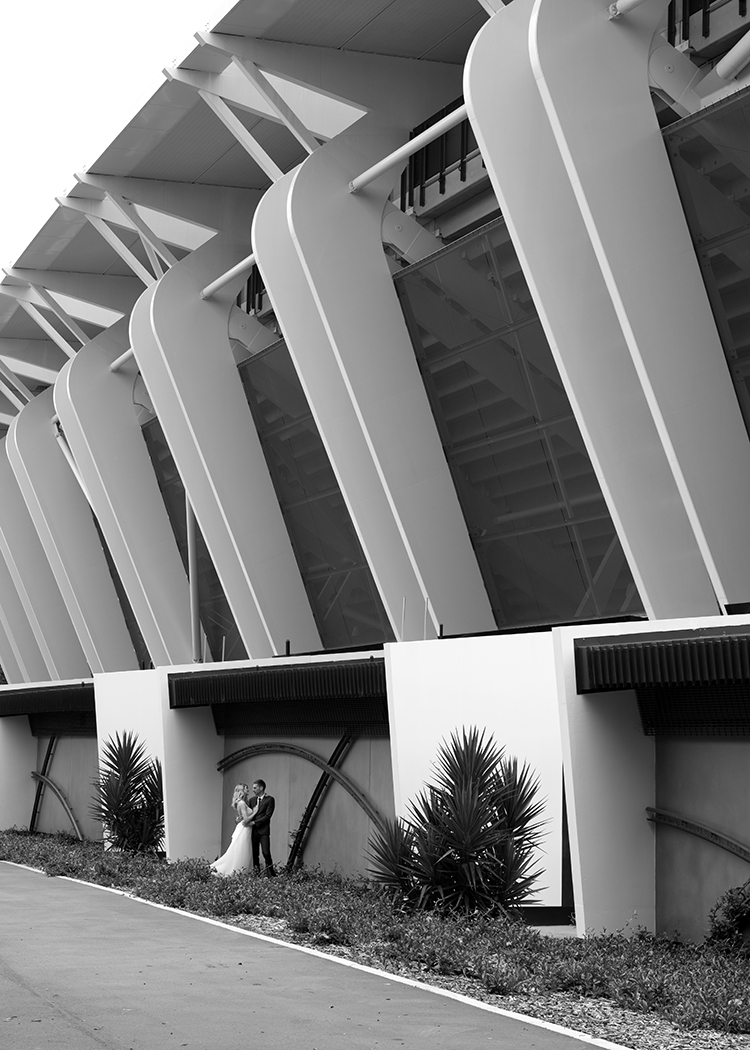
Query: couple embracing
<point>252,835</point>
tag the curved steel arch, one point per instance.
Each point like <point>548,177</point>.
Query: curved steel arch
<point>63,801</point>
<point>308,756</point>
<point>701,831</point>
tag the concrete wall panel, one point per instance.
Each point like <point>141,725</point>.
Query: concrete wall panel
<point>504,684</point>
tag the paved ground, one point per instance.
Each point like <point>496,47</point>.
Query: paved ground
<point>84,969</point>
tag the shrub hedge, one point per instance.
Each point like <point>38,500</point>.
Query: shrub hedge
<point>706,986</point>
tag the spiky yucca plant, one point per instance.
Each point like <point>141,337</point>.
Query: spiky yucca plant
<point>128,798</point>
<point>470,836</point>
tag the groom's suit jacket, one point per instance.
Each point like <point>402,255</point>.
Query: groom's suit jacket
<point>266,807</point>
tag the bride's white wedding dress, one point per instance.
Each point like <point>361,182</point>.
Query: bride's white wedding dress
<point>239,854</point>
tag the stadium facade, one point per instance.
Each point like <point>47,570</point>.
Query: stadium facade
<point>387,374</point>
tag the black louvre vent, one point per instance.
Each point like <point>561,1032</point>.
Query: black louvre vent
<point>47,699</point>
<point>360,680</point>
<point>63,723</point>
<point>703,710</point>
<point>330,718</point>
<point>631,662</point>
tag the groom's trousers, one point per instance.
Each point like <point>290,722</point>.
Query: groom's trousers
<point>261,843</point>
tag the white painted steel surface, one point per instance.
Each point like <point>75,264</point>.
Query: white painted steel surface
<point>65,526</point>
<point>20,656</point>
<point>348,340</point>
<point>182,348</point>
<point>36,586</point>
<point>577,312</point>
<point>99,419</point>
<point>441,127</point>
<point>647,259</point>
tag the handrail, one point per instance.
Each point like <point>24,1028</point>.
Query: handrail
<point>63,802</point>
<point>121,360</point>
<point>236,270</point>
<point>409,148</point>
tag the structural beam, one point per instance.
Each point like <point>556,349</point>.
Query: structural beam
<point>62,315</point>
<point>235,271</point>
<point>285,113</point>
<point>63,520</point>
<point>349,343</point>
<point>124,252</point>
<point>182,349</point>
<point>104,436</point>
<point>50,329</point>
<point>398,156</point>
<point>17,390</point>
<point>128,211</point>
<point>251,146</point>
<point>38,360</point>
<point>37,589</point>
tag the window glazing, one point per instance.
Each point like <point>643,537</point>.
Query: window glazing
<point>345,602</point>
<point>535,512</point>
<point>222,636</point>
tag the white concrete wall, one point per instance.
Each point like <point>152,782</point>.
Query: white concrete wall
<point>610,780</point>
<point>17,760</point>
<point>192,784</point>
<point>503,683</point>
<point>186,743</point>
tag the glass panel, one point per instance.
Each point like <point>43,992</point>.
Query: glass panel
<point>342,592</point>
<point>543,535</point>
<point>222,636</point>
<point>710,157</point>
<point>139,644</point>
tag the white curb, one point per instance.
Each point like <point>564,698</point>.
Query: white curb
<point>537,1022</point>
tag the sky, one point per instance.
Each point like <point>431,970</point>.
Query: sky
<point>71,76</point>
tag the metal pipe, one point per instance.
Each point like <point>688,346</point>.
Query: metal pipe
<point>735,60</point>
<point>408,149</point>
<point>121,360</point>
<point>195,619</point>
<point>623,7</point>
<point>240,267</point>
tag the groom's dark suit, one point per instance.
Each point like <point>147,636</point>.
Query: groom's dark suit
<point>261,833</point>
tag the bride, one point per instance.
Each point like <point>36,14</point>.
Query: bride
<point>239,855</point>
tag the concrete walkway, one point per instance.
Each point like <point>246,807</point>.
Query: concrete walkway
<point>85,969</point>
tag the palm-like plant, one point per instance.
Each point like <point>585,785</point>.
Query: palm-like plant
<point>128,797</point>
<point>470,837</point>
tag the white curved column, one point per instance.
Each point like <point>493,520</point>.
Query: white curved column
<point>20,657</point>
<point>350,345</point>
<point>181,345</point>
<point>633,466</point>
<point>646,256</point>
<point>64,523</point>
<point>99,420</point>
<point>37,590</point>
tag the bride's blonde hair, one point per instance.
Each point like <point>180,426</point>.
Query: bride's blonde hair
<point>241,792</point>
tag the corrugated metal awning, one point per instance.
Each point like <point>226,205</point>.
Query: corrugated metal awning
<point>313,699</point>
<point>358,679</point>
<point>678,658</point>
<point>47,698</point>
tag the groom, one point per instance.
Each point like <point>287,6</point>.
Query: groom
<point>260,835</point>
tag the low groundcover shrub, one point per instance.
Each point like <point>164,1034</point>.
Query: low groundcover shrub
<point>694,986</point>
